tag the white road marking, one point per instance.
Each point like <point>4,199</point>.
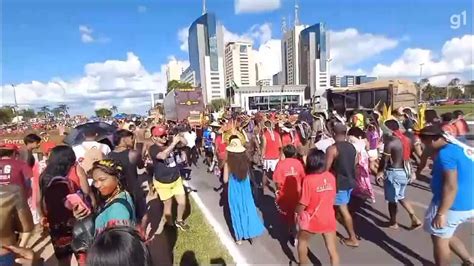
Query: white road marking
<point>226,240</point>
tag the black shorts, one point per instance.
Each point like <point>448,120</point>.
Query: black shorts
<point>208,152</point>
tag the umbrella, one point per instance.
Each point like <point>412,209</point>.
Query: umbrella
<point>76,136</point>
<point>120,116</point>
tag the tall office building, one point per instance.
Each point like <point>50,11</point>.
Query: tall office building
<point>290,44</point>
<point>348,81</point>
<point>314,59</point>
<point>364,79</point>
<point>206,60</point>
<point>173,71</point>
<point>239,64</point>
<point>335,81</point>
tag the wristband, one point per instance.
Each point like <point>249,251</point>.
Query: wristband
<point>439,214</point>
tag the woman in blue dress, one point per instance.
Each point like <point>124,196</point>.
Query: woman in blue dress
<point>243,212</point>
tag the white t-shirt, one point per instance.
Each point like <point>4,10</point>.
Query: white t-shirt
<point>80,150</point>
<point>190,138</point>
<point>324,144</point>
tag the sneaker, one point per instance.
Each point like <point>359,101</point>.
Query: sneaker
<point>182,225</point>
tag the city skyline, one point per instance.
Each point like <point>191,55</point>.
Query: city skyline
<point>107,65</point>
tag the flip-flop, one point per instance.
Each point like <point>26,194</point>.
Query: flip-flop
<point>347,245</point>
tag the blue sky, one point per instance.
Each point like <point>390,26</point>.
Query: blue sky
<point>41,40</point>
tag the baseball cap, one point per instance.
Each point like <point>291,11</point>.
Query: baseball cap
<point>159,131</point>
<point>9,146</point>
<point>433,130</point>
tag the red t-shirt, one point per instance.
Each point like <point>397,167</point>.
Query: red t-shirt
<point>286,169</point>
<point>289,174</point>
<point>74,178</point>
<point>286,139</point>
<point>272,151</point>
<point>221,148</point>
<point>318,194</point>
<point>15,172</point>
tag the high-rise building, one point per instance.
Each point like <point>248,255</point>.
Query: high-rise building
<point>314,59</point>
<point>335,81</point>
<point>188,76</point>
<point>240,65</point>
<point>278,78</point>
<point>364,79</point>
<point>173,71</point>
<point>290,44</point>
<point>348,81</point>
<point>206,60</point>
<point>264,82</point>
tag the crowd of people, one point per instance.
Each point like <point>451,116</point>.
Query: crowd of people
<point>89,196</point>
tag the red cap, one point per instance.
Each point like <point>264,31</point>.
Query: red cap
<point>159,131</point>
<point>9,146</point>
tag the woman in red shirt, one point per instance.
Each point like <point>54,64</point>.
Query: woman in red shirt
<point>315,210</point>
<point>288,177</point>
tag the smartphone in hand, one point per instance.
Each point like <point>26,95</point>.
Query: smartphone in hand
<point>73,200</point>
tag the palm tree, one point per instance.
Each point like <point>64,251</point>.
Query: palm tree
<point>57,112</point>
<point>45,110</point>
<point>114,109</point>
<point>64,108</point>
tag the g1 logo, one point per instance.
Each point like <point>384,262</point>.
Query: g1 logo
<point>458,20</point>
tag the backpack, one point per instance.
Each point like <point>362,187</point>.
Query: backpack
<point>93,154</point>
<point>53,197</point>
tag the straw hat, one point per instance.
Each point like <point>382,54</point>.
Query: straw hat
<point>235,146</point>
<point>215,124</point>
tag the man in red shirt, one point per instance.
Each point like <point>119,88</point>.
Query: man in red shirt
<point>271,144</point>
<point>13,170</point>
<point>289,136</point>
<point>288,177</point>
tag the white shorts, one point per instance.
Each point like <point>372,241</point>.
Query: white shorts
<point>270,165</point>
<point>453,220</point>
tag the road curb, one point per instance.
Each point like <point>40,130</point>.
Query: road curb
<point>225,239</point>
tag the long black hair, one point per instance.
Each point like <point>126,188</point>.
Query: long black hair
<point>315,162</point>
<point>119,245</point>
<point>60,161</point>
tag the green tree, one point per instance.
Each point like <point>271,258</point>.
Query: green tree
<point>6,114</point>
<point>27,113</point>
<point>175,84</point>
<point>218,104</point>
<point>64,108</point>
<point>57,112</point>
<point>45,111</point>
<point>455,93</point>
<point>103,112</point>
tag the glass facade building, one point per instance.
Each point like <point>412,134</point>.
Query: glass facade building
<point>203,41</point>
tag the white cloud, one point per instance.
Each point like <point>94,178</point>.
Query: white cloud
<point>183,34</point>
<point>88,37</point>
<point>255,6</point>
<point>350,47</point>
<point>142,9</point>
<point>455,60</point>
<point>124,83</point>
<point>86,34</point>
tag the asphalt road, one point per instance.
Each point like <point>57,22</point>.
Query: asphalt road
<point>378,245</point>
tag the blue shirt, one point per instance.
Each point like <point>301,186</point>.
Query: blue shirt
<point>116,214</point>
<point>452,157</point>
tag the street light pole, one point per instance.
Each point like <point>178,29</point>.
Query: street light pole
<point>421,89</point>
